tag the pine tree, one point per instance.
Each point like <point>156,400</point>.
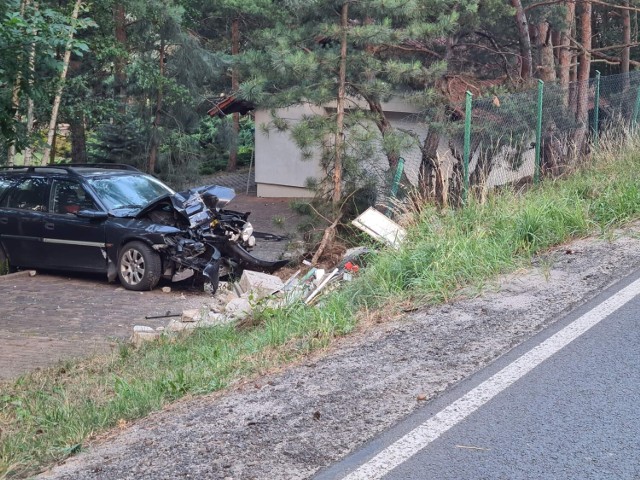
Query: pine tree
<point>298,60</point>
<point>226,25</point>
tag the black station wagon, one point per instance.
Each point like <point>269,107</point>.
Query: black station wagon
<point>117,220</point>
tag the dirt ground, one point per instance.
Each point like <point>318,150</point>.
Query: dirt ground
<point>290,424</point>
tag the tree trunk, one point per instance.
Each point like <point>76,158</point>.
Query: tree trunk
<point>565,54</point>
<point>155,139</point>
<point>626,40</point>
<point>430,173</point>
<point>235,50</point>
<point>524,39</point>
<point>342,93</point>
<point>28,151</point>
<point>584,67</point>
<point>78,140</point>
<point>120,74</point>
<point>54,147</point>
<point>384,126</point>
<point>58,98</point>
<point>15,95</point>
<point>546,70</point>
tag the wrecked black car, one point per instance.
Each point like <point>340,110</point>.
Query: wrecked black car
<point>117,220</point>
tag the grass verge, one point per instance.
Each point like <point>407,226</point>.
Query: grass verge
<point>49,415</point>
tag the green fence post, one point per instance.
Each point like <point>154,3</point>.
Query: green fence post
<point>467,145</point>
<point>395,185</point>
<point>596,111</point>
<point>636,110</point>
<point>536,171</point>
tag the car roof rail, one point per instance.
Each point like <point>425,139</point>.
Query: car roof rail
<point>69,167</point>
<point>111,166</point>
<point>35,168</point>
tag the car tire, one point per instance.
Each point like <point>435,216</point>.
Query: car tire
<point>139,267</point>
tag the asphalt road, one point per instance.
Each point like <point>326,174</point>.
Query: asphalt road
<point>571,414</point>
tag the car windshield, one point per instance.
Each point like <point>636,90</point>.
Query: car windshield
<point>128,191</point>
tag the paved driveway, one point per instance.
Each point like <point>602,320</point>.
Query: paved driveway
<point>49,317</point>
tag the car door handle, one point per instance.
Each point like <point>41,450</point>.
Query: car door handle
<point>4,221</point>
<point>49,226</point>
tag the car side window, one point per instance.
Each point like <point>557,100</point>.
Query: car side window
<point>69,197</point>
<point>28,194</point>
<point>5,183</point>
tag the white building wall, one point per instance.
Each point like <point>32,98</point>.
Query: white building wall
<point>282,172</point>
<point>280,169</point>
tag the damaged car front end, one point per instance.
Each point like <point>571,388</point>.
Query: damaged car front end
<point>199,235</point>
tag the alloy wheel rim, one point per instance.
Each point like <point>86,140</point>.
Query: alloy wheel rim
<point>132,266</point>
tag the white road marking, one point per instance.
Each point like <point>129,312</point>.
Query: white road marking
<point>407,446</point>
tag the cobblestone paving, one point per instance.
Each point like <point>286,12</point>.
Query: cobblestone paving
<point>270,215</point>
<point>48,318</point>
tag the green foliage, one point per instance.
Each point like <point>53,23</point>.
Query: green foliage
<point>215,137</point>
<point>121,142</point>
<point>44,31</point>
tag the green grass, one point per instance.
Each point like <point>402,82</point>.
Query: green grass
<point>49,415</point>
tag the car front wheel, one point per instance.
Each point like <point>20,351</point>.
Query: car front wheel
<point>139,267</point>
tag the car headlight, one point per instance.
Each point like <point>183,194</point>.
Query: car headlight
<point>247,231</point>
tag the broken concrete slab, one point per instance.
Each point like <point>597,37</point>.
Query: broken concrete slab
<point>212,319</point>
<point>258,284</point>
<point>142,333</point>
<point>175,326</point>
<point>190,316</point>
<point>238,308</point>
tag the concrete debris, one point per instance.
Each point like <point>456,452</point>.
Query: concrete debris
<point>32,273</point>
<point>259,285</point>
<point>214,319</point>
<point>176,326</point>
<point>142,328</point>
<point>309,286</point>
<point>190,316</point>
<point>325,280</point>
<point>233,302</point>
<point>238,308</point>
<point>166,289</point>
<point>211,319</point>
<point>227,293</point>
<point>142,333</point>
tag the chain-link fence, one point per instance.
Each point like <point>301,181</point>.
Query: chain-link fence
<point>497,140</point>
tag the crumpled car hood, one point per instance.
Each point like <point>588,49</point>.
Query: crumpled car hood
<point>195,205</point>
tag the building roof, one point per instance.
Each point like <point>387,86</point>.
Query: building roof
<point>229,105</point>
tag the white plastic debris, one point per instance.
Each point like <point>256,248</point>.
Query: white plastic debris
<point>380,227</point>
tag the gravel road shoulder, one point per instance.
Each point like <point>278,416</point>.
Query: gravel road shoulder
<point>290,424</point>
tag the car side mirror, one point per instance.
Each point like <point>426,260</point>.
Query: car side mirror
<point>93,214</point>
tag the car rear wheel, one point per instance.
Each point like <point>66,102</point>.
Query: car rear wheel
<point>139,267</point>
